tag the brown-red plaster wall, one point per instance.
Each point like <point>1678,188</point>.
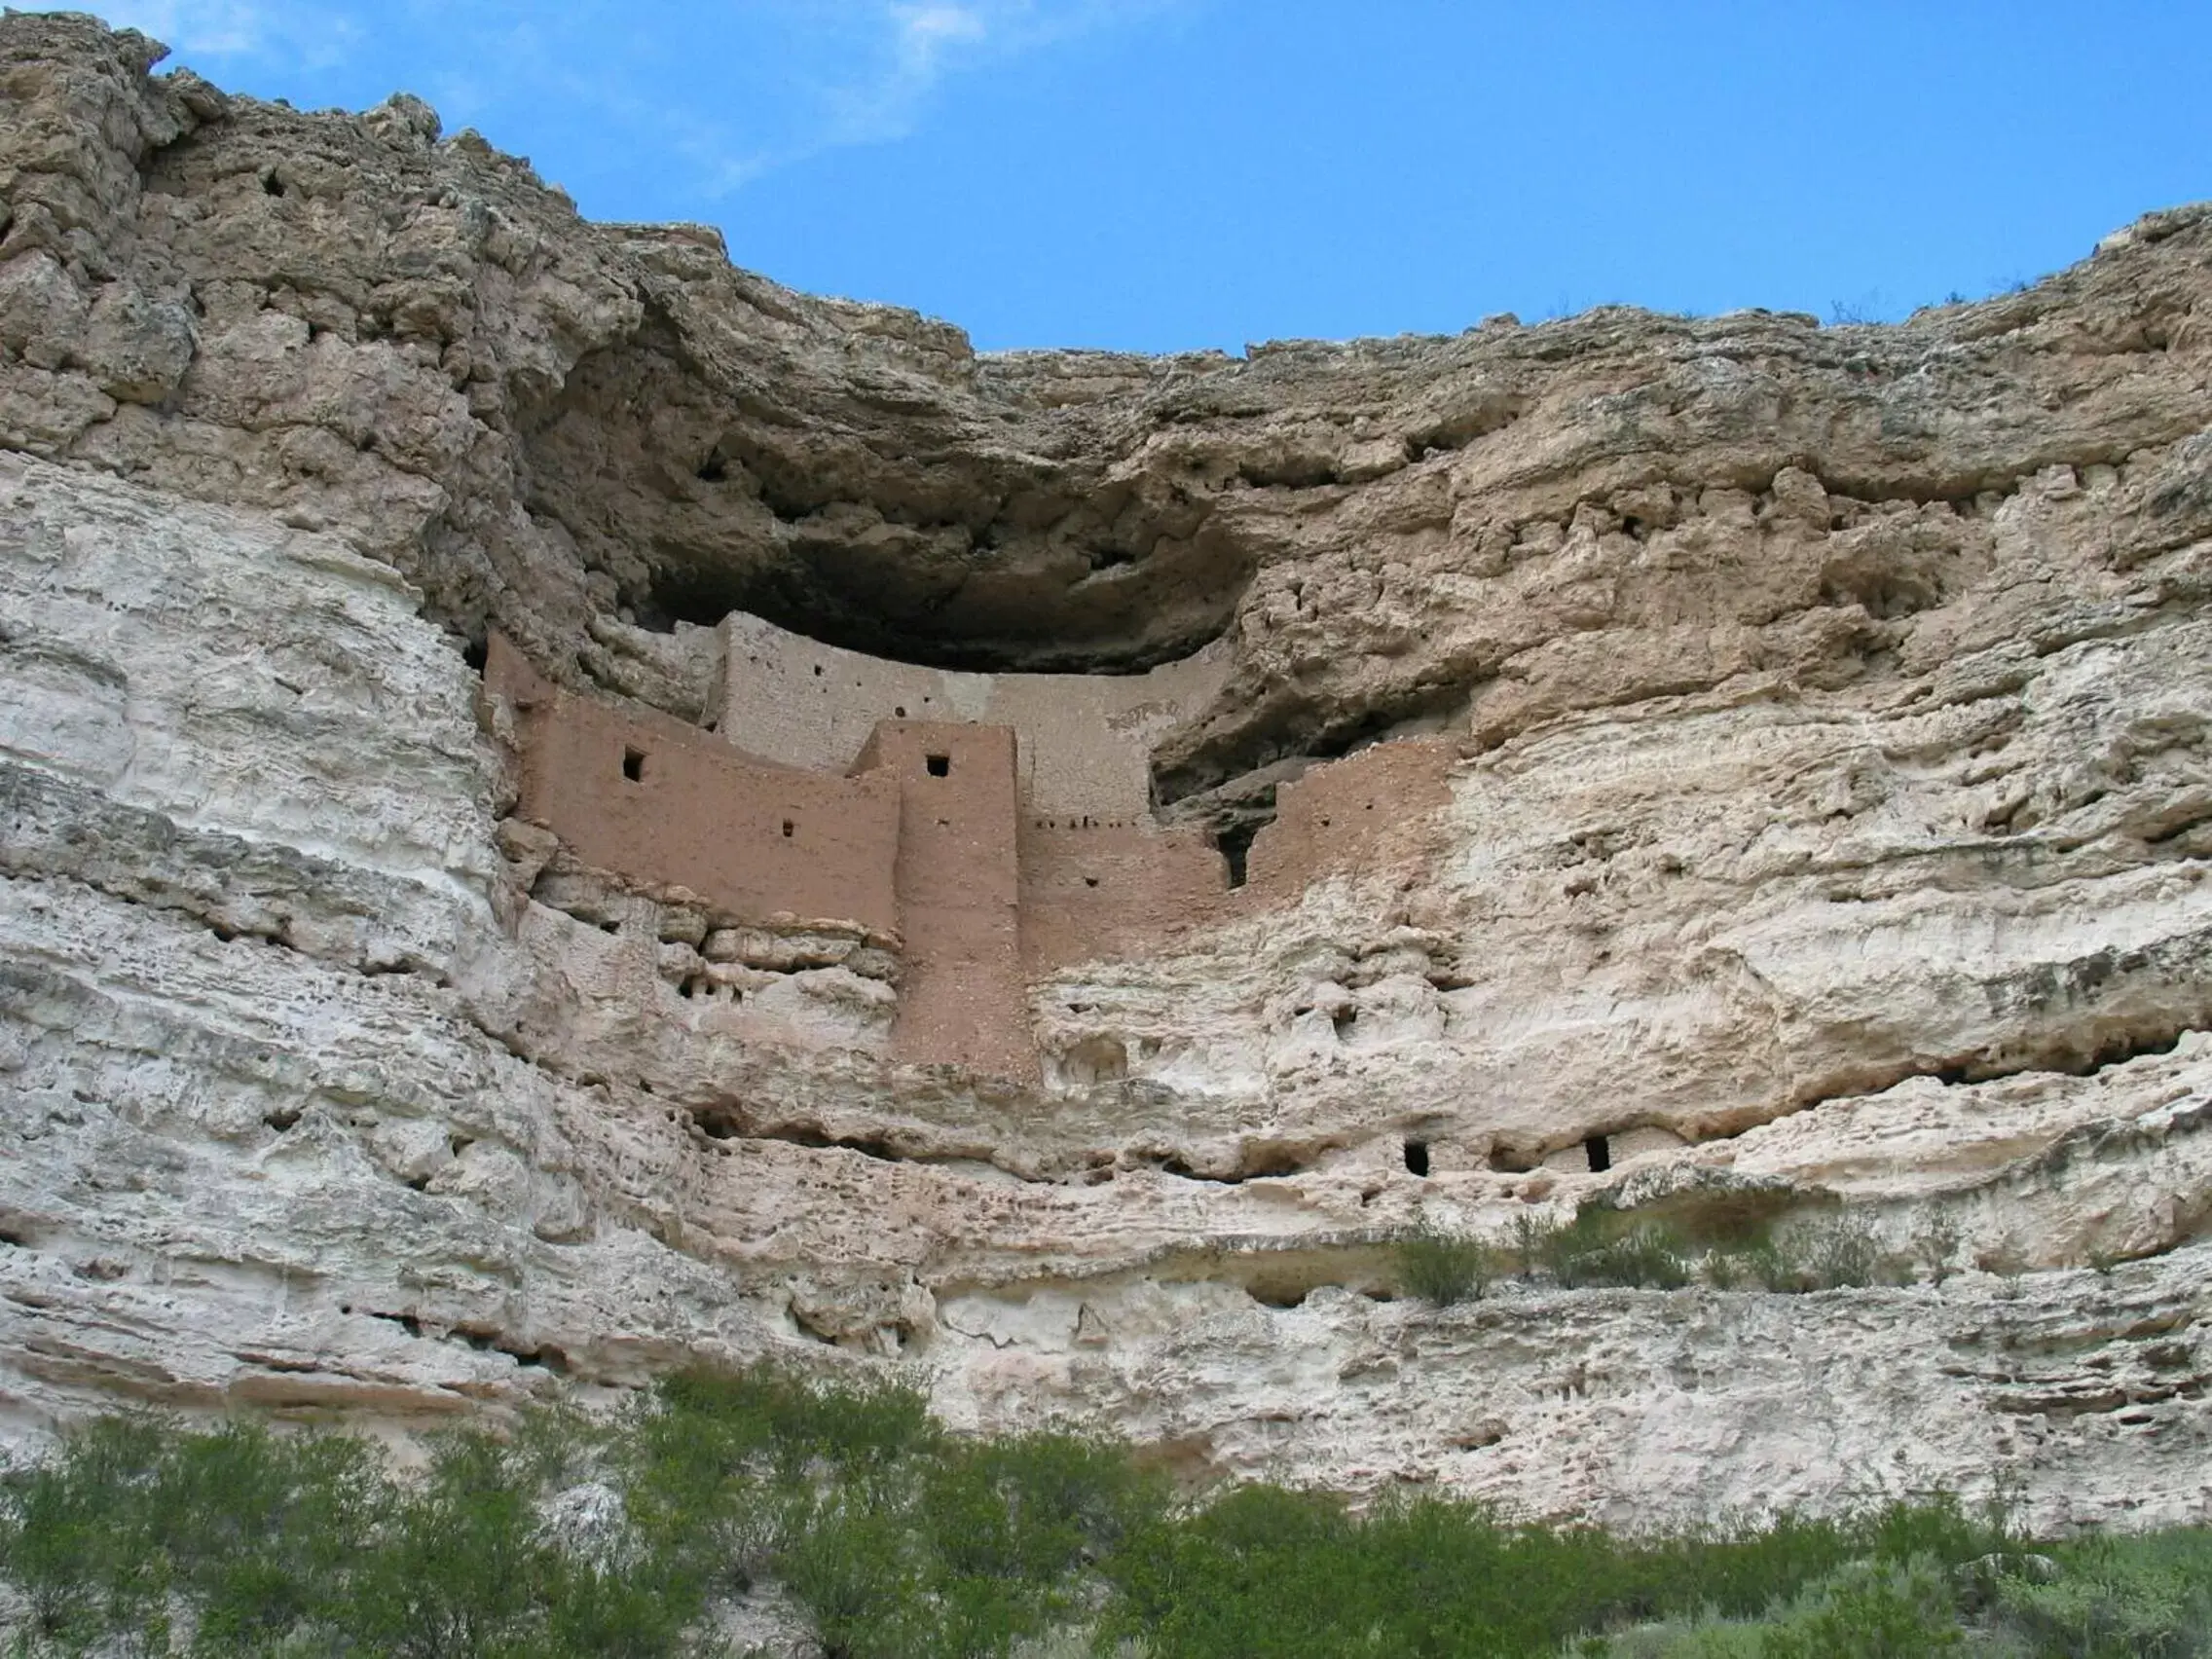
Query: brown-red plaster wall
<point>1121,891</point>
<point>751,838</point>
<point>1347,815</point>
<point>1112,891</point>
<point>963,998</point>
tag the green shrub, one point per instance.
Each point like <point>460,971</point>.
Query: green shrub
<point>305,1543</point>
<point>1602,1246</point>
<point>1827,1253</point>
<point>1870,1610</point>
<point>1441,1269</point>
<point>1725,1270</point>
<point>901,1541</point>
<point>1864,1610</point>
<point>1936,1246</point>
<point>1648,1255</point>
<point>2146,1598</point>
<point>1842,1250</point>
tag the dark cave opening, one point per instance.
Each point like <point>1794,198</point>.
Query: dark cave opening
<point>689,594</point>
<point>1307,731</point>
<point>848,609</point>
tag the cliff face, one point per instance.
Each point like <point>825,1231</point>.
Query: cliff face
<point>1823,815</point>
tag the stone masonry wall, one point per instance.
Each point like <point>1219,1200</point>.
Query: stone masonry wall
<point>963,998</point>
<point>647,797</point>
<point>1343,815</point>
<point>1086,739</point>
<point>1113,890</point>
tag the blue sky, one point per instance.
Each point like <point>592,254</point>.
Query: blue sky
<point>1159,174</point>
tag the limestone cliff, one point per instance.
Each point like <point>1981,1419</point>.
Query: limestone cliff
<point>1822,814</point>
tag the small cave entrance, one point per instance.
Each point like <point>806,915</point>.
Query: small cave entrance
<point>721,1121</point>
<point>939,765</point>
<point>634,765</point>
<point>1416,1157</point>
<point>1600,1152</point>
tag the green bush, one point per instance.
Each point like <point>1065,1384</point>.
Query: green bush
<point>2144,1597</point>
<point>1441,1269</point>
<point>1828,1253</point>
<point>271,1543</point>
<point>1602,1246</point>
<point>1864,1610</point>
<point>899,1539</point>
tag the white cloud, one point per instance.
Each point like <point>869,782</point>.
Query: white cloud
<point>844,72</point>
<point>310,36</point>
<point>804,77</point>
<point>879,64</point>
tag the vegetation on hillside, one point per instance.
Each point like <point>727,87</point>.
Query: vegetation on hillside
<point>1602,1246</point>
<point>900,1540</point>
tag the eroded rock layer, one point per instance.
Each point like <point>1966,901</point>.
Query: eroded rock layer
<point>1810,807</point>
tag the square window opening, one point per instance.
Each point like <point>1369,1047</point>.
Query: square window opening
<point>790,829</point>
<point>939,765</point>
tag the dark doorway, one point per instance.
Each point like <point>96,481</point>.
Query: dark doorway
<point>1600,1152</point>
<point>1416,1157</point>
<point>1234,843</point>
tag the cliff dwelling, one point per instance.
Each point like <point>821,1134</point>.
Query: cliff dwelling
<point>984,828</point>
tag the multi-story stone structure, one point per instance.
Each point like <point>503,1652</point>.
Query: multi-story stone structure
<point>998,825</point>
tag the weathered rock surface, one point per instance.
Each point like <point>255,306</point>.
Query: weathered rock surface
<point>1832,810</point>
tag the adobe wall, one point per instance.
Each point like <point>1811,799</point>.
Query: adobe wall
<point>749,837</point>
<point>1122,890</point>
<point>1086,739</point>
<point>1346,815</point>
<point>1112,891</point>
<point>963,999</point>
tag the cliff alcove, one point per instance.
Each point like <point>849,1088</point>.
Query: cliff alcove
<point>473,687</point>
